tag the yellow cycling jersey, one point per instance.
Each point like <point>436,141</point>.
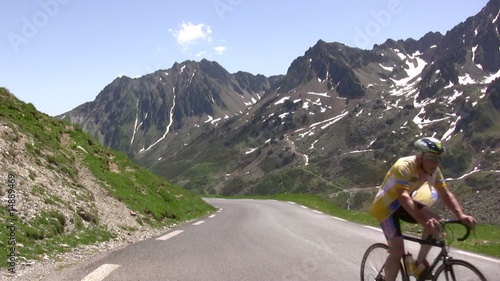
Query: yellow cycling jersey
<point>403,175</point>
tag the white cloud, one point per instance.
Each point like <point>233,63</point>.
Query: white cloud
<point>201,53</point>
<point>192,33</point>
<point>220,49</point>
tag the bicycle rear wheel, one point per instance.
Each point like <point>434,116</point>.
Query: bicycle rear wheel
<point>458,270</point>
<point>372,265</point>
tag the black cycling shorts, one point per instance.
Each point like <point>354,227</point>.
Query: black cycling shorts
<point>392,227</point>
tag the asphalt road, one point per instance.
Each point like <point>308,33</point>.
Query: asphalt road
<point>255,240</point>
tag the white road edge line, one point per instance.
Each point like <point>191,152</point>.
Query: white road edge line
<point>477,256</point>
<point>374,228</point>
<point>101,272</point>
<point>211,216</point>
<point>169,235</point>
<point>198,222</point>
<point>291,202</point>
<point>318,212</point>
<point>339,219</point>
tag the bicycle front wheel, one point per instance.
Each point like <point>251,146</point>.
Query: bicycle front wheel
<point>458,270</point>
<point>373,263</point>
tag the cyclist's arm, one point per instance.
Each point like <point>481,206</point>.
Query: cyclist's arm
<point>409,205</point>
<point>429,224</point>
<point>452,203</point>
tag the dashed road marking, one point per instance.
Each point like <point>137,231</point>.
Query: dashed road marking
<point>339,219</point>
<point>101,272</point>
<point>198,222</point>
<point>318,212</point>
<point>169,235</point>
<point>211,216</point>
<point>304,207</point>
<point>293,203</point>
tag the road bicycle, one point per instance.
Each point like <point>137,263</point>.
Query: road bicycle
<point>444,267</point>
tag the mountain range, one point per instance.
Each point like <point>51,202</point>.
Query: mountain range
<point>331,126</point>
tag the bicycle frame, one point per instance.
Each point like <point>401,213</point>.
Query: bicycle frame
<point>374,271</point>
<point>442,256</point>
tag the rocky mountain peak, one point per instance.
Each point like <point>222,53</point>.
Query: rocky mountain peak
<point>338,111</point>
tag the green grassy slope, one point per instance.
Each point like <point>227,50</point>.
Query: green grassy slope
<point>62,209</point>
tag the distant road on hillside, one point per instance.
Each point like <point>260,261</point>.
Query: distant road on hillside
<point>249,240</point>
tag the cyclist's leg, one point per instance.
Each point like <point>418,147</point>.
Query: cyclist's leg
<point>392,231</point>
<point>428,213</point>
<point>396,252</point>
<point>424,249</point>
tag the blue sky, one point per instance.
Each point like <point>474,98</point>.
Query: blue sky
<point>58,54</point>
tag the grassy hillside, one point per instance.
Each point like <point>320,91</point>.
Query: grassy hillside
<point>61,189</point>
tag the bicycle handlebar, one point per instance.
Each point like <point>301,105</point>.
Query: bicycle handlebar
<point>467,228</point>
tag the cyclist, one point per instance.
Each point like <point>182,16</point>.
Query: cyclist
<point>394,201</point>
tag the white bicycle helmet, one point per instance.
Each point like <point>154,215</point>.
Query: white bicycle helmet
<point>429,144</point>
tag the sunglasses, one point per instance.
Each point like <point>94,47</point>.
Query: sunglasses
<point>433,159</point>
